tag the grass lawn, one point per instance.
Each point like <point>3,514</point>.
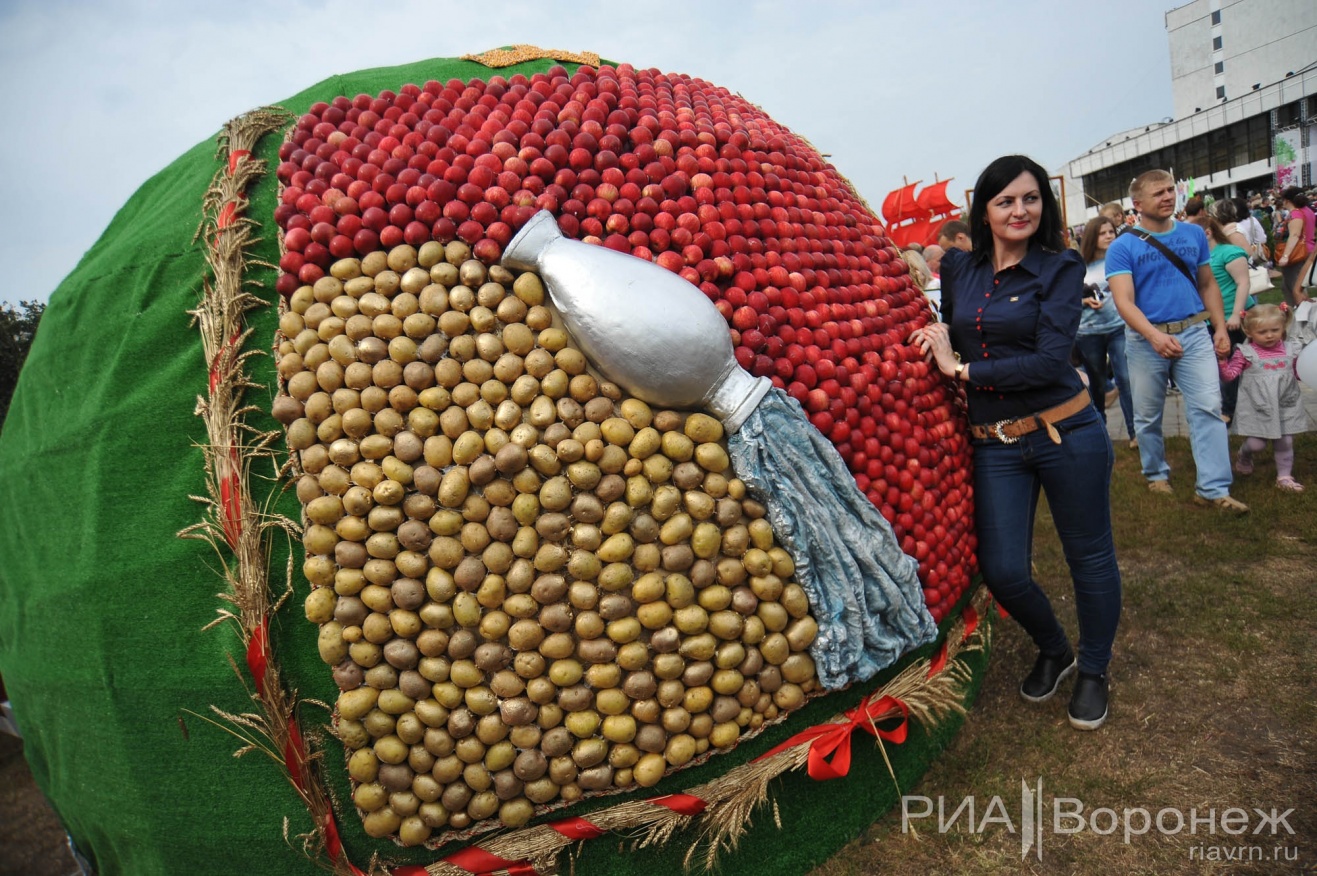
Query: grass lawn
<point>1212,700</point>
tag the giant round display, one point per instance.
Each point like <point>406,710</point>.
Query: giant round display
<point>460,594</point>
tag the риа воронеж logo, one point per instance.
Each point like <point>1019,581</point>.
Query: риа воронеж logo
<point>1070,816</point>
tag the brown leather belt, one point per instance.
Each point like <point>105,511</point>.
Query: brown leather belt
<point>1010,431</point>
<point>1174,328</point>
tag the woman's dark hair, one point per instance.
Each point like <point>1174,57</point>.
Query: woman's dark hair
<point>1242,211</point>
<point>1295,196</point>
<point>1088,241</point>
<point>997,176</point>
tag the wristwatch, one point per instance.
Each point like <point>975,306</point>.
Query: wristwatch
<point>960,371</point>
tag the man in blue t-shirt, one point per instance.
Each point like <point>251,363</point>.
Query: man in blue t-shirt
<point>1165,291</point>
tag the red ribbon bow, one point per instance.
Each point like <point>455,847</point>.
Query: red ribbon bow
<point>830,744</point>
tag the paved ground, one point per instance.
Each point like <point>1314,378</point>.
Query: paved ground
<point>1173,420</point>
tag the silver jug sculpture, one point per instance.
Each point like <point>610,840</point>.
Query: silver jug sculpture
<point>648,330</point>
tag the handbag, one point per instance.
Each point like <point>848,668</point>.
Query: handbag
<point>1259,280</point>
<point>1298,255</point>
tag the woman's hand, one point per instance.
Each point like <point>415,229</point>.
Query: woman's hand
<point>934,342</point>
<point>1093,303</point>
<point>1235,321</point>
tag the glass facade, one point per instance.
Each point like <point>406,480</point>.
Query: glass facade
<point>1232,146</point>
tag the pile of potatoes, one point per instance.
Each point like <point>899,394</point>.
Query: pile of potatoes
<point>529,586</point>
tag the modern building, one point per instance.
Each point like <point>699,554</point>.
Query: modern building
<point>1244,85</point>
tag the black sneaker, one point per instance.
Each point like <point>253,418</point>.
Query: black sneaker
<point>1088,704</point>
<point>1048,673</point>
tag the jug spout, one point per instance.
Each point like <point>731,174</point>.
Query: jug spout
<point>735,396</point>
<point>524,251</point>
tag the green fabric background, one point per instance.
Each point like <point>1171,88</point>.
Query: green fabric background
<point>102,606</point>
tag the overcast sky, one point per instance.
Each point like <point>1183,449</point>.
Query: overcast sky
<point>103,95</point>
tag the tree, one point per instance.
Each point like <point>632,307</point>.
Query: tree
<point>18,325</point>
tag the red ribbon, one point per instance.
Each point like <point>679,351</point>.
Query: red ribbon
<point>219,358</point>
<point>682,804</point>
<point>830,748</point>
<point>971,618</point>
<point>227,214</point>
<point>230,502</point>
<point>1001,610</point>
<point>230,482</point>
<point>334,845</point>
<point>474,859</point>
<point>234,156</point>
<point>258,654</point>
<point>295,756</point>
<point>231,499</point>
<point>577,828</point>
<point>939,660</point>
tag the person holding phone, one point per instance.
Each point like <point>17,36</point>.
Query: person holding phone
<point>1101,337</point>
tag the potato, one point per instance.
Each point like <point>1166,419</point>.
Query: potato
<point>529,586</point>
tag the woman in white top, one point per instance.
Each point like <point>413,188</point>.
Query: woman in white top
<point>1226,214</point>
<point>1251,228</point>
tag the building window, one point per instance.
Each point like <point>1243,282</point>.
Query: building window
<point>1220,91</point>
<point>1220,67</point>
<point>1216,44</point>
<point>1216,17</point>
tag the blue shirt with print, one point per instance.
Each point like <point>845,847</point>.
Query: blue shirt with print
<point>1161,290</point>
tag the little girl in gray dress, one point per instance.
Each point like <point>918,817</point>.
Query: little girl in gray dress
<point>1270,406</point>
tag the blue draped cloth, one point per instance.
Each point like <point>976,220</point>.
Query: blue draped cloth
<point>863,590</point>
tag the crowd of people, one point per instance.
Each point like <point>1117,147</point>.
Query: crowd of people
<point>1152,303</point>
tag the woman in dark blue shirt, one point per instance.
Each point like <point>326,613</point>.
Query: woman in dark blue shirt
<point>1011,309</point>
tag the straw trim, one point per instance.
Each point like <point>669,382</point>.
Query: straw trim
<point>237,529</point>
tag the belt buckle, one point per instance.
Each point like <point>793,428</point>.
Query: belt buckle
<point>995,430</point>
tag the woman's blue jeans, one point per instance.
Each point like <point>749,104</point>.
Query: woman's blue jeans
<point>1075,475</point>
<point>1094,352</point>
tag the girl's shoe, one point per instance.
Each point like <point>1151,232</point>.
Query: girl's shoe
<point>1289,485</point>
<point>1244,464</point>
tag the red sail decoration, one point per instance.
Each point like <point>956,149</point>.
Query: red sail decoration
<point>934,199</point>
<point>900,205</point>
<point>915,218</point>
<point>912,232</point>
